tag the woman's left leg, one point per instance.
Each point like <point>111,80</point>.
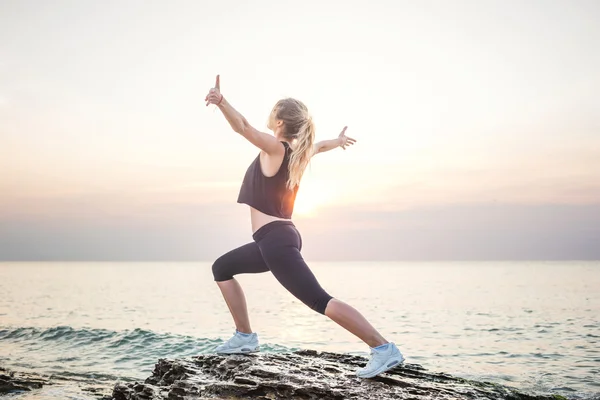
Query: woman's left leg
<point>281,251</point>
<point>354,322</point>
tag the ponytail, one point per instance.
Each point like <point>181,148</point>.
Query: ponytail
<point>302,152</point>
<point>300,130</point>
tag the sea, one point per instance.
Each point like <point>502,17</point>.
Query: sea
<point>534,326</point>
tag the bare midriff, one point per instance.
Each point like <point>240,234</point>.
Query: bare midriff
<point>260,219</point>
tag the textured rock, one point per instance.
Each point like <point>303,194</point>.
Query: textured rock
<point>300,375</point>
<point>11,381</point>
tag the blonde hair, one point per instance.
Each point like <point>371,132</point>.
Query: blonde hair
<point>298,128</point>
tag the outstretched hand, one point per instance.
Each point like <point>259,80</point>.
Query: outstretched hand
<point>214,95</point>
<point>345,140</point>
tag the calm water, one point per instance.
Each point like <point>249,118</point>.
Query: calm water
<point>530,325</point>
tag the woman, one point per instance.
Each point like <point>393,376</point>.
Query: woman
<point>269,188</point>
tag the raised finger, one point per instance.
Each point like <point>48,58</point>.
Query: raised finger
<point>218,83</point>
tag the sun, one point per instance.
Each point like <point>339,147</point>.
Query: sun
<point>305,206</point>
<point>312,196</point>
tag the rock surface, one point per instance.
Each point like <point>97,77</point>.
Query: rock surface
<point>11,381</point>
<point>303,374</point>
<point>15,383</point>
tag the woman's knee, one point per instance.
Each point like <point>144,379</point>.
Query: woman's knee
<point>221,271</point>
<point>320,304</point>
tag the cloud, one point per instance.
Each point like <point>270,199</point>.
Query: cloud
<point>202,232</point>
<point>485,231</point>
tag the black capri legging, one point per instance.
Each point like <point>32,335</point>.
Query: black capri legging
<point>276,248</point>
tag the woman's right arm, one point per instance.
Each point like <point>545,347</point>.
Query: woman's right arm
<point>267,143</point>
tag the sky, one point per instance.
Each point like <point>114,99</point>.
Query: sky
<point>477,127</point>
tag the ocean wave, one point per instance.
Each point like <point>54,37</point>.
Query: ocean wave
<point>100,354</point>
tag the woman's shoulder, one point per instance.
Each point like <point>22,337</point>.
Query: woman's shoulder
<point>287,146</point>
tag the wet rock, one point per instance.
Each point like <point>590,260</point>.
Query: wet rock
<point>14,382</point>
<point>11,381</point>
<point>303,375</point>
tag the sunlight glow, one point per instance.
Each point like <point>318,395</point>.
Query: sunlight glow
<point>311,197</point>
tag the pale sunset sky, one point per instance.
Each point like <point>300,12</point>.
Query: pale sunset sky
<point>478,127</point>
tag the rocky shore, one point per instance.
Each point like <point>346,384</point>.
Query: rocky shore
<point>303,375</point>
<point>32,385</point>
<point>11,381</point>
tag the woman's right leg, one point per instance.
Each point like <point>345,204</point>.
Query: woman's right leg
<point>243,260</point>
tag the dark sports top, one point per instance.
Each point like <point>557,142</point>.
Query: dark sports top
<point>269,195</point>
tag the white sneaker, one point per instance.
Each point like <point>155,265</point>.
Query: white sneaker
<point>239,344</point>
<point>381,361</point>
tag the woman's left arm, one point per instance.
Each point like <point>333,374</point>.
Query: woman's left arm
<point>341,141</point>
<point>267,143</point>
